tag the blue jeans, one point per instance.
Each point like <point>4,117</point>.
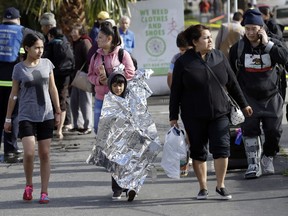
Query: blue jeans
<point>97,112</point>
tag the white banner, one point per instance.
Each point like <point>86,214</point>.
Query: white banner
<point>156,24</point>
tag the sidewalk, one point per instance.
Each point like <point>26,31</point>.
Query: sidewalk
<point>80,189</point>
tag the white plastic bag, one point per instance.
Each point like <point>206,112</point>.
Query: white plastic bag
<point>174,150</point>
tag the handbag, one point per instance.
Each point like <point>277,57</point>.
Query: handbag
<point>236,115</point>
<point>81,81</point>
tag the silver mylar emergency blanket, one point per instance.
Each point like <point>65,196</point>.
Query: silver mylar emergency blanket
<point>127,142</point>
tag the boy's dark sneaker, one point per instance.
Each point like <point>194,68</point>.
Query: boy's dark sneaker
<point>84,131</point>
<point>131,195</point>
<point>223,193</point>
<point>117,195</point>
<point>13,152</point>
<point>202,195</point>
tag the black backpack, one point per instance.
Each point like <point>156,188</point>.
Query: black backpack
<point>63,58</point>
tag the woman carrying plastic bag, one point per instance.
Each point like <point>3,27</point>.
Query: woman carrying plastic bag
<point>174,150</point>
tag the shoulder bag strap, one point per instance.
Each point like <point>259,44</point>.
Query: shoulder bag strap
<point>83,66</point>
<point>230,99</point>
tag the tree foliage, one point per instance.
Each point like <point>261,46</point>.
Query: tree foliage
<point>90,7</point>
<point>67,12</point>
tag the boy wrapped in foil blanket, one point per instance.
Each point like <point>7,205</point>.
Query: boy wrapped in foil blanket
<point>127,143</point>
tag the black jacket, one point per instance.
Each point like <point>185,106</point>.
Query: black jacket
<point>196,91</point>
<point>259,83</point>
<point>60,53</point>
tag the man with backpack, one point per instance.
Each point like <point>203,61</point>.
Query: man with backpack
<point>257,72</point>
<point>60,52</point>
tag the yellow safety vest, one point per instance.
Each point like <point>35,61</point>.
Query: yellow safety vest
<point>5,83</point>
<point>9,83</point>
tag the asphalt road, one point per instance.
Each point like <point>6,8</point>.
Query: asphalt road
<point>79,189</point>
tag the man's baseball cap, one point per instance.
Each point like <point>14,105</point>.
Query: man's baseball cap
<point>11,13</point>
<point>103,15</point>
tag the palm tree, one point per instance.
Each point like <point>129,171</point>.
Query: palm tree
<point>69,12</point>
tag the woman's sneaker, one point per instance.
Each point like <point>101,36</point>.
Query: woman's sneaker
<point>27,195</point>
<point>44,199</point>
<point>223,193</point>
<point>202,195</point>
<point>85,131</point>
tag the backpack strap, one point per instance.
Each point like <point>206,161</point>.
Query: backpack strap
<point>120,55</point>
<point>103,63</point>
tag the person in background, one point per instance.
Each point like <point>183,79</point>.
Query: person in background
<point>198,98</point>
<point>33,83</point>
<point>229,34</point>
<point>257,74</point>
<point>217,7</point>
<point>11,32</point>
<point>182,46</point>
<point>102,65</point>
<point>81,101</point>
<point>204,6</point>
<point>270,22</point>
<point>126,34</point>
<point>60,53</point>
<point>94,47</point>
<point>101,17</point>
<point>47,21</point>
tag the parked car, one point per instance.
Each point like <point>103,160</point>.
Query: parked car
<point>281,14</point>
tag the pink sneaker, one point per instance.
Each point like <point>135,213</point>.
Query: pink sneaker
<point>27,195</point>
<point>44,199</point>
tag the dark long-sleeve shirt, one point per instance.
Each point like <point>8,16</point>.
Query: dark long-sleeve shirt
<point>257,74</point>
<point>196,92</point>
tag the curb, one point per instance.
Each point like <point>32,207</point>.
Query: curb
<point>158,100</point>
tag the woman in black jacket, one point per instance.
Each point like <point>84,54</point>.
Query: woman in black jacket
<point>204,109</point>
